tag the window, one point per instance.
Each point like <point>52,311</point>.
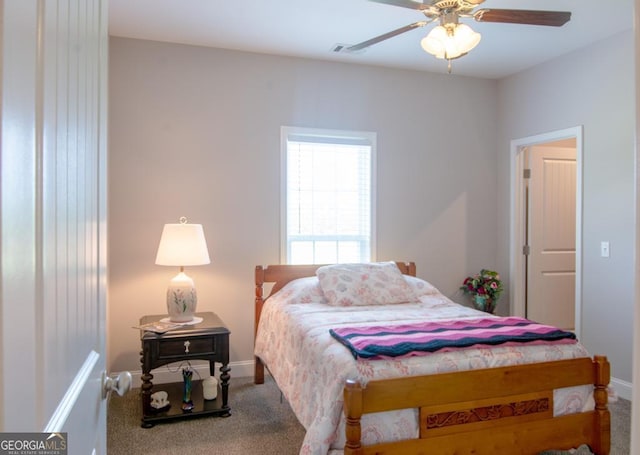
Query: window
<point>328,196</point>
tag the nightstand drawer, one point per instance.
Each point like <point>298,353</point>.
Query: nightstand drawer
<point>186,347</point>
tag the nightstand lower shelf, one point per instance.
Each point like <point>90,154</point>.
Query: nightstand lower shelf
<point>201,408</point>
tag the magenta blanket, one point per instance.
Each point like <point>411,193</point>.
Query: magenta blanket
<point>378,342</point>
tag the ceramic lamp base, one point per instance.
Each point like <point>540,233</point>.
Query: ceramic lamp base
<point>181,298</point>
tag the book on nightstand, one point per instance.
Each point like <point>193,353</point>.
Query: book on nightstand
<point>158,327</point>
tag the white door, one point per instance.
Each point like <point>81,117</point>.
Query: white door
<point>53,219</point>
<point>552,236</point>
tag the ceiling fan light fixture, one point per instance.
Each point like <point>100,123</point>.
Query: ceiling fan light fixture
<point>450,41</point>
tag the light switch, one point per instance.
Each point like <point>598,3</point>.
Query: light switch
<point>604,249</point>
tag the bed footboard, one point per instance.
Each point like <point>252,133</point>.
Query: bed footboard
<point>489,411</point>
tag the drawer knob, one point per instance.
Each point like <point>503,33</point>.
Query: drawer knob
<point>186,346</point>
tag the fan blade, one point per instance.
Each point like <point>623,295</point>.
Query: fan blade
<point>404,4</point>
<point>377,39</point>
<point>530,17</point>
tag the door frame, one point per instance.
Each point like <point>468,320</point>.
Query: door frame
<point>517,277</point>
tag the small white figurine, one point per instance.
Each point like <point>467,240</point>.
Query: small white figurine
<point>159,399</point>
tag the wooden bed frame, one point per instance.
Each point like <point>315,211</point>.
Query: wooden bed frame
<point>507,410</point>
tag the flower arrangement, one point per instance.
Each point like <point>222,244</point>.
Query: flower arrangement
<point>485,288</point>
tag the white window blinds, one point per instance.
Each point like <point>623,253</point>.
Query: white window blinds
<point>328,196</point>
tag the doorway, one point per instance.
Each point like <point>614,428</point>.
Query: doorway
<point>546,220</point>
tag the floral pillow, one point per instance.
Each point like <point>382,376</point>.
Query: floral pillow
<point>420,287</point>
<point>377,283</point>
<point>302,290</point>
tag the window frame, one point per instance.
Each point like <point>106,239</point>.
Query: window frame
<point>331,136</point>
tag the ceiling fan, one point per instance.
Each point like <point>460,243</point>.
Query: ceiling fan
<point>452,39</point>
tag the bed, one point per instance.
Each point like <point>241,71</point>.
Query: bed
<point>485,400</point>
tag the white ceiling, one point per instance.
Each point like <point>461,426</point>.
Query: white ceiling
<point>305,28</point>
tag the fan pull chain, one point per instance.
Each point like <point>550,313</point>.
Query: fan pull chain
<point>449,66</point>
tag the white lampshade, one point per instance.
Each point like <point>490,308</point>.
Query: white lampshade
<point>450,43</point>
<point>182,245</point>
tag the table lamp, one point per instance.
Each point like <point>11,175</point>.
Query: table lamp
<point>182,245</point>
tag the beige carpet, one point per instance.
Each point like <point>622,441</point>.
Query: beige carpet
<point>620,427</point>
<point>260,424</point>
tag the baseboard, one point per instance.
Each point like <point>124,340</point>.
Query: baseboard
<point>622,388</point>
<point>243,369</point>
<point>172,372</point>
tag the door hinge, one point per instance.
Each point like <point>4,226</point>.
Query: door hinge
<point>526,173</point>
<point>526,250</point>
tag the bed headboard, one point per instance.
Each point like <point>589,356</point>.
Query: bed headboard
<point>279,275</point>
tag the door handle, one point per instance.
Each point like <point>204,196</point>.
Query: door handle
<point>120,383</point>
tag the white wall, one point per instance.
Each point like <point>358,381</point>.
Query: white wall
<point>635,404</point>
<point>593,87</point>
<point>195,132</point>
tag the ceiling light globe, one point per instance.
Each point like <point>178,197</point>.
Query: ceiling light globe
<point>452,48</point>
<point>466,38</point>
<point>434,42</point>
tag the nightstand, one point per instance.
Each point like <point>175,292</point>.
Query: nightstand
<point>207,340</point>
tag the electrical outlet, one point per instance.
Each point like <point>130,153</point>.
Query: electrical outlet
<point>604,249</point>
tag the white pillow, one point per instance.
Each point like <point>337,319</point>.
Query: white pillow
<point>376,283</point>
<point>301,290</point>
<point>420,287</point>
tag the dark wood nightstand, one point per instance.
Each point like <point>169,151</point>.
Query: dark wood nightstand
<point>208,340</point>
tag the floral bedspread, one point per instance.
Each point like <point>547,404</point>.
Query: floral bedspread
<point>310,367</point>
